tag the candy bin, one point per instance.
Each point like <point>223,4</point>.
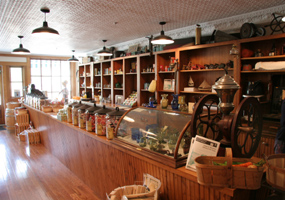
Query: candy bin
<point>62,115</point>
<point>100,120</point>
<point>69,111</point>
<point>112,119</point>
<point>90,118</point>
<point>81,116</point>
<point>75,113</point>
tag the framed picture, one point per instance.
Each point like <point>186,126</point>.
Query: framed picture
<point>167,84</point>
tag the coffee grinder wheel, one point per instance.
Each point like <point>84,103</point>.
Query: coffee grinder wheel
<point>243,128</point>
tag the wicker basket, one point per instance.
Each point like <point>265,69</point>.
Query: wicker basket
<point>275,171</point>
<point>228,176</point>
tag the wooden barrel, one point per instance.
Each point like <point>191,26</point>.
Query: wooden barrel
<point>10,120</point>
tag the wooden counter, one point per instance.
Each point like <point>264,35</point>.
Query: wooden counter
<point>104,166</point>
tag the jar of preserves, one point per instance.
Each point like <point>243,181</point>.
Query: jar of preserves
<point>69,111</point>
<point>100,120</point>
<point>90,118</point>
<point>75,113</point>
<point>41,102</point>
<point>81,116</point>
<point>112,120</point>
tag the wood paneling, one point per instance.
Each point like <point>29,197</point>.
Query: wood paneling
<point>104,166</point>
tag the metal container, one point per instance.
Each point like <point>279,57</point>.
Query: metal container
<point>226,88</point>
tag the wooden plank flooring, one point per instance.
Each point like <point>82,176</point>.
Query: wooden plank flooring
<point>30,172</point>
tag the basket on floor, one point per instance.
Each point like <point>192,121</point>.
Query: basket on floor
<point>228,176</point>
<point>275,171</point>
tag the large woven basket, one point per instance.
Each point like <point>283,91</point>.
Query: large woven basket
<point>275,171</point>
<point>228,176</point>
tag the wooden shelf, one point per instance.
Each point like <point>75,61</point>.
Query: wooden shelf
<point>106,88</point>
<point>262,71</point>
<point>166,72</point>
<point>106,74</point>
<point>97,75</point>
<point>118,74</point>
<point>264,57</point>
<point>198,92</point>
<point>204,70</point>
<point>118,88</point>
<point>166,91</point>
<point>147,72</point>
<point>97,88</point>
<point>131,73</point>
<point>144,90</point>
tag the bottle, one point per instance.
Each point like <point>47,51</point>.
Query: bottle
<point>198,34</point>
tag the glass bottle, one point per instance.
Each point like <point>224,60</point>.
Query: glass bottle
<point>112,120</point>
<point>69,111</point>
<point>182,105</point>
<point>100,120</point>
<point>90,118</point>
<point>174,102</point>
<point>164,101</point>
<point>75,113</point>
<point>81,116</point>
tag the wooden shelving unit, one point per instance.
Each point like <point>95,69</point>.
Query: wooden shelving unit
<point>134,73</point>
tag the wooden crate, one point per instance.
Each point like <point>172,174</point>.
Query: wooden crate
<point>33,136</point>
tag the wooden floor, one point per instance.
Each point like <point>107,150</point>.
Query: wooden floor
<point>32,173</point>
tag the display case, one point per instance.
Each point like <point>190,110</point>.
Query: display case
<point>162,135</point>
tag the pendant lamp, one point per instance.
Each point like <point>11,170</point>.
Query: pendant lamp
<point>104,51</point>
<point>162,39</point>
<point>21,49</point>
<point>45,29</point>
<point>73,59</point>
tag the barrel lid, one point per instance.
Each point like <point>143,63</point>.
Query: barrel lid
<point>116,112</point>
<point>103,110</point>
<point>92,109</point>
<point>20,108</point>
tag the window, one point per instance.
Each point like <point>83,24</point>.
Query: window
<point>51,76</point>
<point>16,81</point>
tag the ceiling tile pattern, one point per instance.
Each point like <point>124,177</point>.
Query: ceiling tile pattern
<point>83,24</point>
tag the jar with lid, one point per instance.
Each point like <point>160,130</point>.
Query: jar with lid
<point>75,113</point>
<point>81,116</point>
<point>100,120</point>
<point>90,118</point>
<point>112,120</point>
<point>61,115</point>
<point>69,111</point>
<point>41,102</point>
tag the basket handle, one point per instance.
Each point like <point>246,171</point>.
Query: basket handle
<point>229,156</point>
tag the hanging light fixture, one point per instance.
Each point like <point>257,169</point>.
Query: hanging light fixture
<point>45,29</point>
<point>162,39</point>
<point>73,59</point>
<point>104,51</point>
<point>21,49</point>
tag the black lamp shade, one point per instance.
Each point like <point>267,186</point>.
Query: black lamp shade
<point>104,52</point>
<point>73,59</point>
<point>45,29</point>
<point>21,50</point>
<point>162,39</point>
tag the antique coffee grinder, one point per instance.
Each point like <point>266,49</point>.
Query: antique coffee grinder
<point>240,130</point>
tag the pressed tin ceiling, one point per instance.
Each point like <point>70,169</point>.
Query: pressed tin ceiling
<point>83,24</point>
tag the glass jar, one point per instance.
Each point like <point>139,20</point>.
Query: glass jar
<point>69,111</point>
<point>62,115</point>
<point>81,116</point>
<point>41,102</point>
<point>75,113</point>
<point>100,120</point>
<point>182,105</point>
<point>164,101</point>
<point>90,118</point>
<point>112,120</point>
